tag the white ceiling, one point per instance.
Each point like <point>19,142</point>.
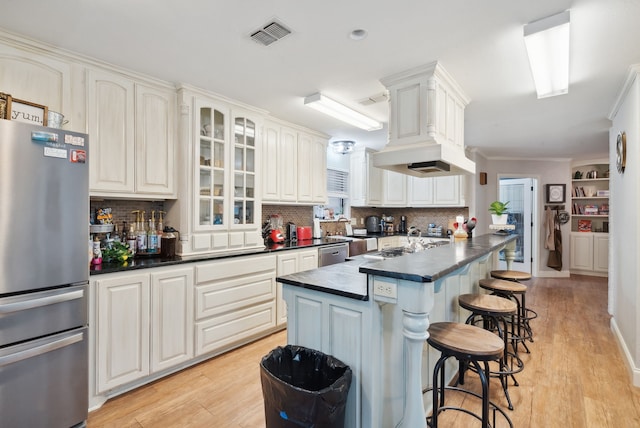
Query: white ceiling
<point>206,43</point>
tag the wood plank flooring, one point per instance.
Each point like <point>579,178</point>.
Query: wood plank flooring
<point>574,376</point>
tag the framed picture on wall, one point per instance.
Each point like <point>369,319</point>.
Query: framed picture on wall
<point>556,193</point>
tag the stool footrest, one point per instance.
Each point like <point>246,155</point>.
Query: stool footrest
<point>494,408</point>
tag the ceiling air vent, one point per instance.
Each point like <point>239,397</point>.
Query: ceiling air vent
<point>270,33</point>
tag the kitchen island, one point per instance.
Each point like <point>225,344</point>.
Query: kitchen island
<point>374,316</point>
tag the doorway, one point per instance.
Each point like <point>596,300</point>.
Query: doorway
<point>520,193</point>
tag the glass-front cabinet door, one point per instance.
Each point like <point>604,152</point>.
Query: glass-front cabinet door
<point>244,171</point>
<point>211,155</point>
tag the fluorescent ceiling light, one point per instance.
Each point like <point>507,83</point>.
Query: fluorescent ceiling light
<point>547,42</point>
<point>341,112</point>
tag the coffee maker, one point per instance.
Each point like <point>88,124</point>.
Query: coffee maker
<point>402,228</point>
<point>291,232</point>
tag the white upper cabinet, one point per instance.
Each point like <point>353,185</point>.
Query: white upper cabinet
<point>444,191</point>
<point>40,79</point>
<point>366,181</point>
<point>111,127</point>
<point>294,166</point>
<point>221,209</point>
<point>155,136</point>
<point>132,134</point>
<point>394,189</point>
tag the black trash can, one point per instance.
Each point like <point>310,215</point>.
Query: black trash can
<point>303,387</point>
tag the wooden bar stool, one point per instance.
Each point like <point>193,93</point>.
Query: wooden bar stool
<point>510,290</point>
<point>517,276</point>
<point>471,345</point>
<point>493,312</point>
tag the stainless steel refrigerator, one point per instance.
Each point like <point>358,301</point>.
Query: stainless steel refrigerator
<point>44,273</point>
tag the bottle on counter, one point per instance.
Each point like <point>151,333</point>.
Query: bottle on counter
<point>116,233</point>
<point>141,235</point>
<point>131,239</point>
<point>152,234</point>
<point>97,252</point>
<point>160,229</point>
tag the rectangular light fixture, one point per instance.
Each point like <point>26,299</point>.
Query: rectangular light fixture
<point>547,42</point>
<point>341,112</point>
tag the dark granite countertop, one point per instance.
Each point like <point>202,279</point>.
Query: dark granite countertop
<point>342,279</point>
<point>429,265</point>
<point>152,262</point>
<point>348,279</point>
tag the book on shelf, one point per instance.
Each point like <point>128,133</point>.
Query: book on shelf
<point>604,209</point>
<point>584,225</point>
<point>591,210</point>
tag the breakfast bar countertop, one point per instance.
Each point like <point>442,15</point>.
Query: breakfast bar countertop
<point>349,279</point>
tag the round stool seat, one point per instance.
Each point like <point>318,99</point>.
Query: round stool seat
<point>465,341</point>
<point>502,286</point>
<point>487,305</point>
<point>511,275</point>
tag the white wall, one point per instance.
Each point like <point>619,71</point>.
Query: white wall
<point>547,172</point>
<point>624,264</point>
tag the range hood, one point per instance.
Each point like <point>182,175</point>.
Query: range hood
<point>426,124</point>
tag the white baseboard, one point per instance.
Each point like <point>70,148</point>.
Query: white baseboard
<point>634,371</point>
<point>553,274</point>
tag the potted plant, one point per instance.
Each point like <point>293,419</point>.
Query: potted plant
<point>498,212</point>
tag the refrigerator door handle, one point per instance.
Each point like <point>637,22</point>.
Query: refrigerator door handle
<point>39,350</point>
<point>42,301</point>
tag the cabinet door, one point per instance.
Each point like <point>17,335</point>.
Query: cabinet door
<point>246,210</point>
<point>287,165</point>
<point>375,184</point>
<point>171,318</point>
<point>270,174</point>
<point>308,260</point>
<point>123,330</point>
<point>358,179</point>
<point>111,127</point>
<point>155,136</point>
<point>420,190</point>
<point>288,263</point>
<point>39,79</point>
<point>395,189</point>
<point>601,252</point>
<point>446,190</point>
<point>319,171</point>
<point>211,157</point>
<point>306,168</point>
<point>581,251</point>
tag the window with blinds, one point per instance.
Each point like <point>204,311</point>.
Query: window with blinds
<point>337,183</point>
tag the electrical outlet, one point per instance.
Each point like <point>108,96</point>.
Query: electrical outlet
<point>385,289</point>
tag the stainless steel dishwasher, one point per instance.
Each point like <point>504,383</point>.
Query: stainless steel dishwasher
<point>333,254</point>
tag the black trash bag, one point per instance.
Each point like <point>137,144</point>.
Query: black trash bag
<point>303,387</point>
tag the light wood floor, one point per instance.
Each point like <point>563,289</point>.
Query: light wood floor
<point>574,376</point>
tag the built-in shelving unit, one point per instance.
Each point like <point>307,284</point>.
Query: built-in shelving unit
<point>590,218</point>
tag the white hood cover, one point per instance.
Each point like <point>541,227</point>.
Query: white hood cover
<point>426,124</point>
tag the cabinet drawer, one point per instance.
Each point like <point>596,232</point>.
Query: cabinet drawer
<point>239,267</point>
<point>219,332</point>
<point>228,295</point>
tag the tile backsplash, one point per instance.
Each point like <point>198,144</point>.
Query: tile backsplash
<point>300,215</point>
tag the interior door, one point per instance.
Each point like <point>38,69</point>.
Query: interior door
<point>519,193</point>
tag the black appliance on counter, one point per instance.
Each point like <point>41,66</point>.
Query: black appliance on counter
<point>373,224</point>
<point>402,228</point>
<point>291,232</point>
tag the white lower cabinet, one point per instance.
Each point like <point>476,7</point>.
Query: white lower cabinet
<point>589,252</point>
<point>171,317</point>
<point>122,329</point>
<point>235,301</point>
<point>292,261</point>
<point>144,324</point>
